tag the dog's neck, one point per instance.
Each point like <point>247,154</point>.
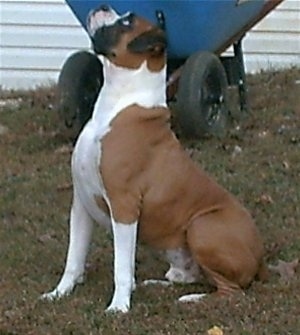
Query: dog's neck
<point>123,87</point>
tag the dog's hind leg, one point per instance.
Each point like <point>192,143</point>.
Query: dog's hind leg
<point>224,287</point>
<point>81,225</point>
<point>222,253</point>
<point>183,268</point>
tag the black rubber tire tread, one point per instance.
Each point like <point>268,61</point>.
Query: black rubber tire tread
<point>79,84</point>
<point>189,107</point>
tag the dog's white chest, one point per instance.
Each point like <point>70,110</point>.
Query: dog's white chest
<point>127,87</point>
<point>86,160</point>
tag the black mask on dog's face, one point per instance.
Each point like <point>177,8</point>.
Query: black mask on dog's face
<point>127,41</point>
<point>107,37</point>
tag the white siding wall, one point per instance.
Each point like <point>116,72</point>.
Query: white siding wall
<point>37,36</point>
<point>275,41</point>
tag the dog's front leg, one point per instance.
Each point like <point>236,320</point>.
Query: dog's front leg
<point>125,236</point>
<point>81,225</point>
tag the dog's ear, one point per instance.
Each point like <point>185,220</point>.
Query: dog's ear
<point>153,42</point>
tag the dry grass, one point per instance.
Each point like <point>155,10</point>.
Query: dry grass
<point>34,210</point>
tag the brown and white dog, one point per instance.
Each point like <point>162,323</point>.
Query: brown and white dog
<point>130,173</point>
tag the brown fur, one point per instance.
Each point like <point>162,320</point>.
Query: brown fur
<point>148,176</point>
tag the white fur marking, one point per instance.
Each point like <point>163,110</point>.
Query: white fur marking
<point>183,269</point>
<point>157,282</point>
<point>125,236</point>
<point>81,225</point>
<point>99,19</point>
<point>196,297</point>
<point>102,18</point>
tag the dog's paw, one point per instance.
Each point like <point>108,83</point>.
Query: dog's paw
<point>196,297</point>
<point>117,308</point>
<point>57,293</point>
<point>156,282</point>
<point>120,302</point>
<point>187,276</point>
<point>51,296</point>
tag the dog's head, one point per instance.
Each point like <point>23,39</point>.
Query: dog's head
<point>126,40</point>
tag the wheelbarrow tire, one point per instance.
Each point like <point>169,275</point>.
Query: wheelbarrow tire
<point>201,106</point>
<point>79,84</point>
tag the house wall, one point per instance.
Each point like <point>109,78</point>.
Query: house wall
<point>37,36</point>
<point>275,41</point>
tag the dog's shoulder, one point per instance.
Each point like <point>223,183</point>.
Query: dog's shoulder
<point>133,140</point>
<point>137,115</point>
<point>137,126</point>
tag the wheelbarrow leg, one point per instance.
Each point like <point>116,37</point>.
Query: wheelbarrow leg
<point>242,85</point>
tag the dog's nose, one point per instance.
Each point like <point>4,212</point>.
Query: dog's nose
<point>105,8</point>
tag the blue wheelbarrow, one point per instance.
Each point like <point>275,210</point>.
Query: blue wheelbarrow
<point>198,78</point>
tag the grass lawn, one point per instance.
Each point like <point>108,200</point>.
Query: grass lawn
<point>259,162</point>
